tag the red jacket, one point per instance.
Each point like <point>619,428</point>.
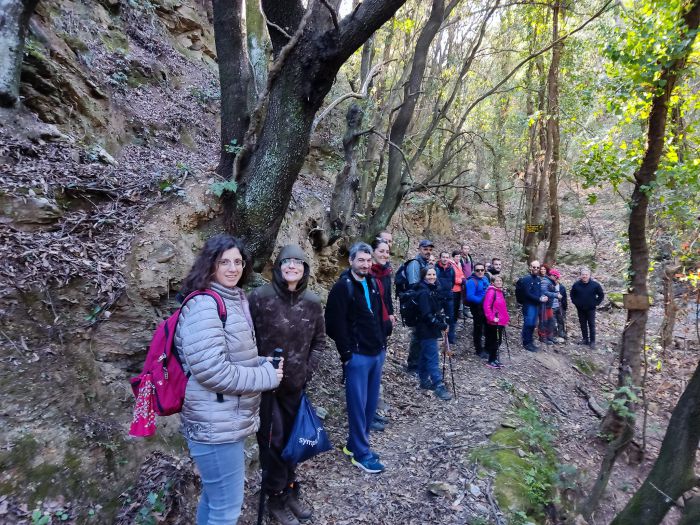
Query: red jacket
<point>459,277</point>
<point>495,305</point>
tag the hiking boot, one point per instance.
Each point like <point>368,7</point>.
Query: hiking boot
<point>427,385</point>
<point>483,354</point>
<point>278,509</point>
<point>584,342</point>
<point>370,464</point>
<point>442,393</point>
<point>381,419</point>
<point>551,341</point>
<point>302,511</point>
<point>377,425</point>
<point>547,342</point>
<point>493,364</point>
<point>592,345</point>
<point>531,347</point>
<point>499,364</point>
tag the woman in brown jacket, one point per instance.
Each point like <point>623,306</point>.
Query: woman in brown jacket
<point>288,316</point>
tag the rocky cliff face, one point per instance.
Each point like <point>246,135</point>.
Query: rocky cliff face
<point>105,198</point>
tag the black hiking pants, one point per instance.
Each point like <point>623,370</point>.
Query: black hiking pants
<point>278,410</point>
<point>413,352</point>
<point>586,318</point>
<point>479,319</point>
<point>494,336</point>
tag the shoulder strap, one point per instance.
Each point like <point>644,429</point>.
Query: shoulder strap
<point>220,305</point>
<point>351,292</point>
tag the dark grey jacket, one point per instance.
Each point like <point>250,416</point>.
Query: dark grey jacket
<point>292,321</point>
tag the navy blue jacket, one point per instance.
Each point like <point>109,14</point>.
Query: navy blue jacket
<point>586,296</point>
<point>533,288</point>
<point>446,278</point>
<point>354,328</point>
<point>432,320</point>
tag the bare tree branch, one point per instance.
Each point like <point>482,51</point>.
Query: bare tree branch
<point>386,139</point>
<point>272,24</point>
<point>334,15</point>
<point>361,94</point>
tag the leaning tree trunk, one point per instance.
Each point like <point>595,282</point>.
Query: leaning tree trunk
<point>618,423</point>
<point>397,184</point>
<point>673,473</point>
<point>14,17</point>
<point>234,77</point>
<point>277,139</point>
<point>347,182</point>
<point>552,156</point>
<point>538,145</point>
<point>670,307</point>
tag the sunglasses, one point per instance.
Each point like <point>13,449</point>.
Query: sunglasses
<point>478,269</point>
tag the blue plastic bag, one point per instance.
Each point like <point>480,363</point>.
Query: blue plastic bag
<point>308,436</point>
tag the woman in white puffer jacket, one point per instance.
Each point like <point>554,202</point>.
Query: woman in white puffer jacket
<point>222,399</point>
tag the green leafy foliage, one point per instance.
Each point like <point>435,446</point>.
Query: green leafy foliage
<point>233,147</point>
<point>218,188</point>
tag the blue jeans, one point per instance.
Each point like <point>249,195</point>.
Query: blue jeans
<point>529,322</point>
<point>363,374</point>
<point>429,365</point>
<point>222,469</point>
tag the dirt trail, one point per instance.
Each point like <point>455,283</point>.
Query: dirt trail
<point>428,441</point>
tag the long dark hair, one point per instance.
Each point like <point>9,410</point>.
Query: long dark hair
<point>204,266</point>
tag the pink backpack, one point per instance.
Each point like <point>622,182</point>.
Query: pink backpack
<point>160,388</point>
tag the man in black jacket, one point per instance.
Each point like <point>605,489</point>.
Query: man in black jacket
<point>586,294</point>
<point>531,299</point>
<point>354,322</point>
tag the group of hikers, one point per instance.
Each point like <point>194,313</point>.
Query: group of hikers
<point>234,390</point>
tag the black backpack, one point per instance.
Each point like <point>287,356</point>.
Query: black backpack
<point>401,279</point>
<point>408,298</point>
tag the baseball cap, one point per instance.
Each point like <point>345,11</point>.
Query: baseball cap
<point>425,243</point>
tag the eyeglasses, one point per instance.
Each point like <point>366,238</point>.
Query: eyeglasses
<point>288,261</point>
<point>226,263</point>
<point>535,267</point>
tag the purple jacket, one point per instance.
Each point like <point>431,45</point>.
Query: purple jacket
<point>495,304</point>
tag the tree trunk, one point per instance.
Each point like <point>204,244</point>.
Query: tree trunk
<point>14,17</point>
<point>347,181</point>
<point>397,184</point>
<point>691,511</point>
<point>538,185</point>
<point>259,49</point>
<point>670,306</point>
<point>673,472</point>
<point>277,139</point>
<point>616,422</point>
<point>235,79</point>
<point>552,156</point>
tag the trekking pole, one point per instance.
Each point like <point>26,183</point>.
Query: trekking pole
<point>505,336</point>
<point>448,351</point>
<point>277,356</point>
<point>444,356</point>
